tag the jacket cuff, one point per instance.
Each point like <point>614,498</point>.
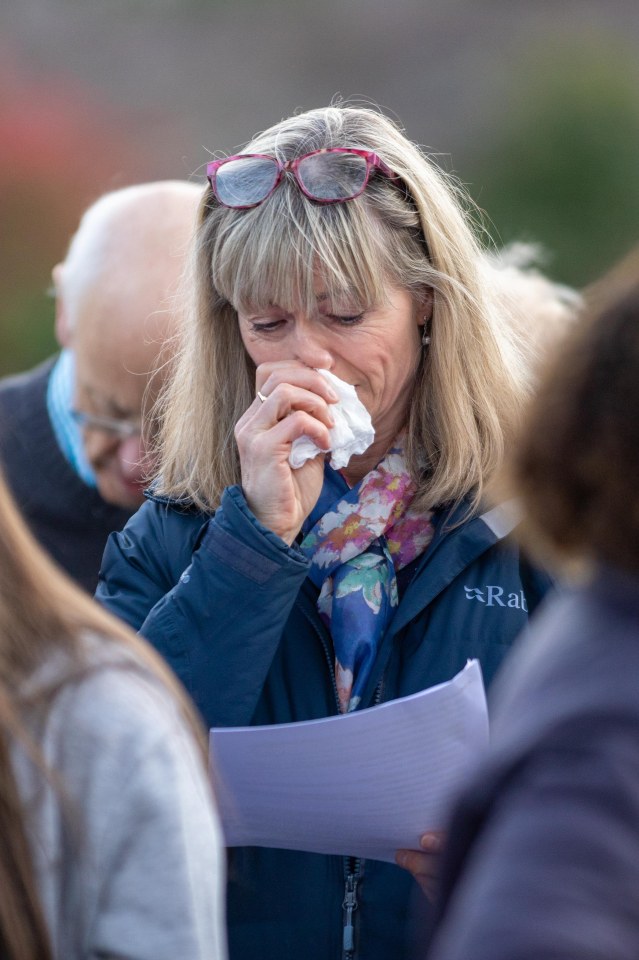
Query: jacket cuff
<point>237,538</point>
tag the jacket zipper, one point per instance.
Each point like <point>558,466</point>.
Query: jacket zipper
<point>352,869</point>
<point>352,865</point>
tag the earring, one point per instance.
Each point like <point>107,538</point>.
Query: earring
<point>425,337</point>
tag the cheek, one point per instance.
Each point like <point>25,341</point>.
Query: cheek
<point>391,361</point>
<point>257,351</point>
<point>400,363</point>
<point>98,447</point>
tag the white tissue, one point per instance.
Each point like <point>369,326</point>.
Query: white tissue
<point>353,431</point>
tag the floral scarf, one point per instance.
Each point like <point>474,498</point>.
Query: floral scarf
<point>357,539</point>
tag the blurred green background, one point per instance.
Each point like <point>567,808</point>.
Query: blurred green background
<point>533,105</point>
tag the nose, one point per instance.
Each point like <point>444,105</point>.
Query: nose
<point>310,346</point>
<point>132,458</point>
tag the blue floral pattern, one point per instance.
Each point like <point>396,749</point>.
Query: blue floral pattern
<point>356,539</point>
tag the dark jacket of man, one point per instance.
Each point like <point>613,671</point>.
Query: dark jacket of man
<point>69,518</point>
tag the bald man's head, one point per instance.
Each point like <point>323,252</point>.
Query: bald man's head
<point>117,305</point>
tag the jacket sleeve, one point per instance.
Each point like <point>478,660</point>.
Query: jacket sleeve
<point>220,621</point>
<point>147,878</point>
<point>545,864</point>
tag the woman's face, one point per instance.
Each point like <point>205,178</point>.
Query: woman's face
<point>376,351</point>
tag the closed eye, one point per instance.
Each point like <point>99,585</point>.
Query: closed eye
<point>266,327</point>
<point>346,321</point>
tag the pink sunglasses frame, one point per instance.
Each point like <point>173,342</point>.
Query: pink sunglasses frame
<point>372,162</point>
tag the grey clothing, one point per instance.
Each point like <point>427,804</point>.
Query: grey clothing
<point>543,852</point>
<point>128,854</point>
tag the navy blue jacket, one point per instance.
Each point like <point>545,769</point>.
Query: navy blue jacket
<point>230,607</point>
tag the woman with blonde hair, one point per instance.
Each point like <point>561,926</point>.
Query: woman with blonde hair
<point>335,272</point>
<point>109,841</point>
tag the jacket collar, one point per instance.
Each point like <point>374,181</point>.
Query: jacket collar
<point>181,504</point>
<point>459,539</point>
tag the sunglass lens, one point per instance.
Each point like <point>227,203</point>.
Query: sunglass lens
<point>332,176</point>
<point>246,181</point>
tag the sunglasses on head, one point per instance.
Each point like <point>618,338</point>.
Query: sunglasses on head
<point>333,175</point>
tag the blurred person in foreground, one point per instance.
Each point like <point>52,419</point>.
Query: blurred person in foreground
<point>543,856</point>
<point>110,842</point>
<point>284,592</point>
<point>70,430</point>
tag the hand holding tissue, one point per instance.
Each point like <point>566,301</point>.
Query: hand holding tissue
<point>353,431</point>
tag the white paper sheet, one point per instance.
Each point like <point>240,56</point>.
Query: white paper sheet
<point>364,784</point>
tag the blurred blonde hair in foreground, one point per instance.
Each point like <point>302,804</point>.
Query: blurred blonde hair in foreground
<point>43,618</point>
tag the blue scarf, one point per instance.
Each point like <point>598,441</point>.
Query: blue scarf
<point>357,539</point>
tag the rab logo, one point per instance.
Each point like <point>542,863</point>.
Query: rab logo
<point>492,595</point>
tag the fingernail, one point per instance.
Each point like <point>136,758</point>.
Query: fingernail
<point>429,842</point>
<point>332,395</point>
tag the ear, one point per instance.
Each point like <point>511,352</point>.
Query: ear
<point>425,307</point>
<point>62,326</point>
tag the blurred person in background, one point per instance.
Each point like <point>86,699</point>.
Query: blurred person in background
<point>283,594</point>
<point>70,430</point>
<point>110,841</point>
<point>542,310</point>
<point>543,856</point>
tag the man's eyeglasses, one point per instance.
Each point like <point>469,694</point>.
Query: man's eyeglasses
<point>122,429</point>
<point>333,175</point>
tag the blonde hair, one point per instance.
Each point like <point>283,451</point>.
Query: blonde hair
<point>42,615</point>
<point>413,232</point>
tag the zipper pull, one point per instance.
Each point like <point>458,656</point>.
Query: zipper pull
<point>349,905</point>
